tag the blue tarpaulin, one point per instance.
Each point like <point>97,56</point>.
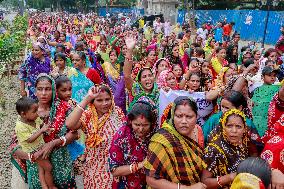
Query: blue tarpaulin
<point>249,23</point>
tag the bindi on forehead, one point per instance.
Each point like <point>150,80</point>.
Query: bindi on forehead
<point>142,117</point>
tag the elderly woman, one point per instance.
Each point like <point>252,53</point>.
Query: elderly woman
<point>175,159</point>
<point>130,145</point>
<point>99,122</point>
<point>35,64</point>
<point>228,147</point>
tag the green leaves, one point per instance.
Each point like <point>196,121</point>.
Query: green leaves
<point>13,41</point>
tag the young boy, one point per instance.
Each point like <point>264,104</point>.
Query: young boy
<point>269,75</point>
<point>29,134</point>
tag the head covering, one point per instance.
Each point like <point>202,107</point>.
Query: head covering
<point>94,139</point>
<point>247,181</point>
<point>39,45</point>
<point>138,91</point>
<point>162,79</point>
<point>173,156</point>
<point>221,156</point>
<point>155,67</point>
<point>53,88</point>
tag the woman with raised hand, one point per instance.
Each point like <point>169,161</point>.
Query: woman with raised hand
<point>99,122</point>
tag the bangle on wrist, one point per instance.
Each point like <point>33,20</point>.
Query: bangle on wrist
<point>63,140</point>
<point>130,168</point>
<point>219,181</point>
<point>80,107</point>
<point>184,78</point>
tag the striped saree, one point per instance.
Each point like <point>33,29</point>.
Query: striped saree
<point>173,157</point>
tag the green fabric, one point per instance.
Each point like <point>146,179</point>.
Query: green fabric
<point>138,91</point>
<point>261,99</point>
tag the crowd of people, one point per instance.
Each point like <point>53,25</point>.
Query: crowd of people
<point>90,106</point>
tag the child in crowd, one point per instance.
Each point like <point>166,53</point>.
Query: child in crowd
<point>269,75</point>
<point>29,131</point>
<point>64,92</point>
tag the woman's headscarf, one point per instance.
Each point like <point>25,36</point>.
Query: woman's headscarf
<point>94,139</point>
<point>138,91</point>
<point>162,79</point>
<point>247,181</point>
<point>219,133</point>
<point>155,67</point>
<point>187,157</point>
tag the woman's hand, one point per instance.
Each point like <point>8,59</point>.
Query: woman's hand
<point>93,93</point>
<point>47,149</point>
<point>277,179</point>
<point>130,42</point>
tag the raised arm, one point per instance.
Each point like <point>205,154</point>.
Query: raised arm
<point>73,120</point>
<point>130,42</point>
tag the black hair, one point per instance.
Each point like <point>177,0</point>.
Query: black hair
<point>112,50</point>
<point>236,98</point>
<point>43,78</point>
<point>24,104</point>
<point>60,80</point>
<point>159,62</point>
<point>258,167</point>
<point>60,55</point>
<point>269,51</point>
<point>79,44</point>
<point>60,45</point>
<point>248,62</point>
<point>195,44</point>
<point>194,73</point>
<point>100,60</point>
<point>244,48</point>
<point>268,61</point>
<point>140,73</point>
<point>199,51</point>
<point>184,100</point>
<point>219,49</point>
<point>150,50</point>
<point>142,108</point>
<point>81,54</point>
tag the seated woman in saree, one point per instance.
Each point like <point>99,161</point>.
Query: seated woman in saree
<point>228,147</point>
<point>82,77</point>
<point>130,145</point>
<point>99,122</point>
<point>175,159</point>
<point>113,71</point>
<point>53,112</point>
<point>232,100</point>
<point>35,64</point>
<point>145,84</point>
<point>252,173</point>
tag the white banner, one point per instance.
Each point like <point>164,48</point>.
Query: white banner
<point>204,107</point>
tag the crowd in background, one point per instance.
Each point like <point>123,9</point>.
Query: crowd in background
<point>90,106</point>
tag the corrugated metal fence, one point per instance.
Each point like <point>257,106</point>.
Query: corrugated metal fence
<point>249,23</point>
